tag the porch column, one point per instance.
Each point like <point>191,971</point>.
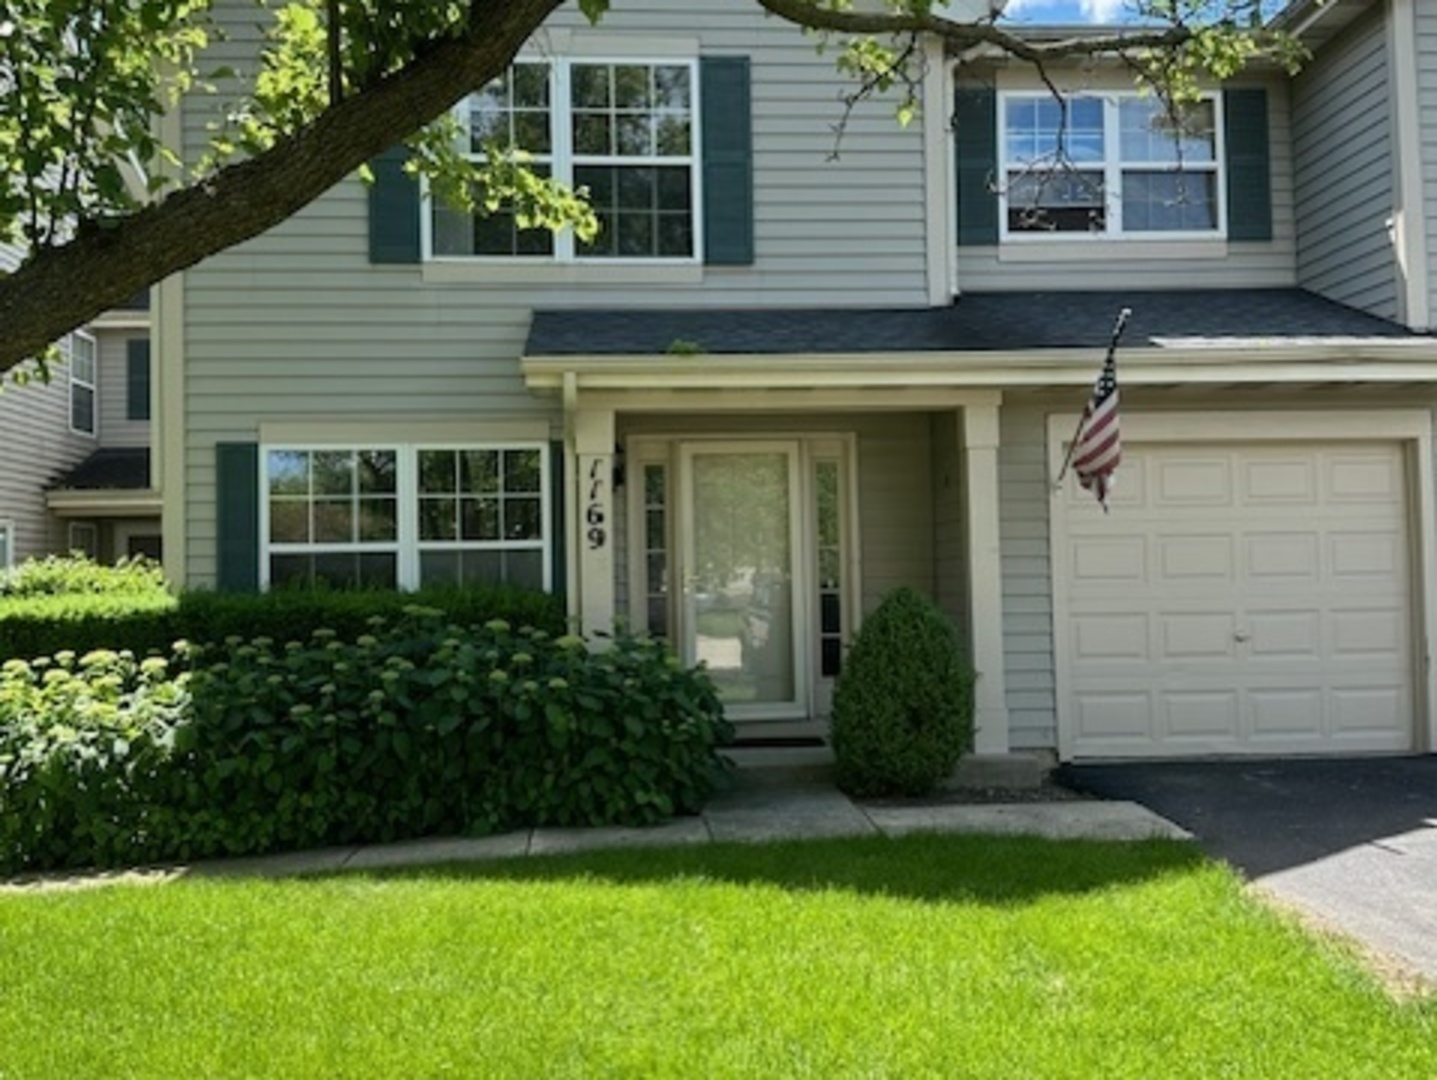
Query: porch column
<point>985,578</point>
<point>592,531</point>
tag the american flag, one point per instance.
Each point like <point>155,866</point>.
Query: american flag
<point>1098,446</point>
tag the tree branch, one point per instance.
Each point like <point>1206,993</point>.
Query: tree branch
<point>106,263</point>
<point>812,15</point>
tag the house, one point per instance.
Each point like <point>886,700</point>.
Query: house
<point>780,385</point>
<point>74,451</point>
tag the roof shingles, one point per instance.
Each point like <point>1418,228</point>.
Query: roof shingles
<point>110,469</point>
<point>976,322</point>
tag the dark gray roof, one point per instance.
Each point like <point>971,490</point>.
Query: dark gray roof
<point>975,322</point>
<point>113,469</point>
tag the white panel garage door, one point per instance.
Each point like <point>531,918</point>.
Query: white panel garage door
<point>1238,599</point>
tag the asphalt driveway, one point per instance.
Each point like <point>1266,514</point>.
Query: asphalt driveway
<point>1352,840</point>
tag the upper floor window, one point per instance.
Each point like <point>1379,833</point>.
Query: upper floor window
<point>626,131</point>
<point>79,351</point>
<point>1111,165</point>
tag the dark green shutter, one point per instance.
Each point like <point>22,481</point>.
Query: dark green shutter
<point>975,131</point>
<point>727,160</point>
<point>137,379</point>
<point>237,516</point>
<point>558,546</point>
<point>393,210</point>
<point>1249,180</point>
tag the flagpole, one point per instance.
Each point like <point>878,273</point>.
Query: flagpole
<point>1118,327</point>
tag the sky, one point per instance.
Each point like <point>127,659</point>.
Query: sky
<point>1063,12</point>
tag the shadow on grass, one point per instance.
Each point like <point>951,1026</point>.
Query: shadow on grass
<point>921,867</point>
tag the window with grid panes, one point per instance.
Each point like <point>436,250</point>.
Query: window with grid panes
<point>1110,165</point>
<point>80,355</point>
<point>656,549</point>
<point>406,516</point>
<point>481,517</point>
<point>622,130</point>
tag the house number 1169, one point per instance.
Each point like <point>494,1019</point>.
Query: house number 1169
<point>594,515</point>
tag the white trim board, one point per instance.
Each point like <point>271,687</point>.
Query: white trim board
<point>952,379</point>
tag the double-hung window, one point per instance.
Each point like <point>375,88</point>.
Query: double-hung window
<point>405,516</point>
<point>626,131</point>
<point>481,516</point>
<point>333,516</point>
<point>1112,165</point>
<point>79,351</point>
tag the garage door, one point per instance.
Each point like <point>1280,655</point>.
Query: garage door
<point>1238,599</point>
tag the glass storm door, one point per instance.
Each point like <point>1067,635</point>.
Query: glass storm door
<point>742,595</point>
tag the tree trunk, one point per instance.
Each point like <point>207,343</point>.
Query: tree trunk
<point>105,265</point>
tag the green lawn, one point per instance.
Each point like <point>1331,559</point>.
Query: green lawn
<point>928,956</point>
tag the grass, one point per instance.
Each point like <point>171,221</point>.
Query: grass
<point>926,956</point>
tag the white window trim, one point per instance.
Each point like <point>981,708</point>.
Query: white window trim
<point>407,546</point>
<point>93,386</point>
<point>546,541</point>
<point>1112,168</point>
<point>7,553</point>
<point>561,164</point>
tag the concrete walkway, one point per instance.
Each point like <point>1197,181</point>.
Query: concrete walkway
<point>764,805</point>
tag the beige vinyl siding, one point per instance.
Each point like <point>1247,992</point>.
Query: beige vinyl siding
<point>116,429</point>
<point>1426,19</point>
<point>1023,507</point>
<point>950,555</point>
<point>1342,147</point>
<point>1143,264</point>
<point>36,448</point>
<point>298,324</point>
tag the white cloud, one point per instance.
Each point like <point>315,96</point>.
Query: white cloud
<point>1102,11</point>
<point>1064,12</point>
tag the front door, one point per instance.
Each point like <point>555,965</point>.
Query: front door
<point>743,588</point>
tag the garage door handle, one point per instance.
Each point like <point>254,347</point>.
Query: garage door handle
<point>1241,635</point>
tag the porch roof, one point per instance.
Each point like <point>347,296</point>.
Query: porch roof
<point>122,468</point>
<point>975,323</point>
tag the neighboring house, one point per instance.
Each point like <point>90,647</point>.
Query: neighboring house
<point>781,385</point>
<point>74,452</point>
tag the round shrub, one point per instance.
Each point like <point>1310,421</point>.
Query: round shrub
<point>903,707</point>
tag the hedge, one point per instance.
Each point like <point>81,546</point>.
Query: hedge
<point>418,727</point>
<point>144,618</point>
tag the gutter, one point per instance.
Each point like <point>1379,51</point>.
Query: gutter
<point>104,503</point>
<point>1392,362</point>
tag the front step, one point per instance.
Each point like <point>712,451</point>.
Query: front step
<point>759,754</point>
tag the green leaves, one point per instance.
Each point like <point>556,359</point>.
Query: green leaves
<point>903,706</point>
<point>338,739</point>
<point>594,10</point>
<point>83,86</point>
